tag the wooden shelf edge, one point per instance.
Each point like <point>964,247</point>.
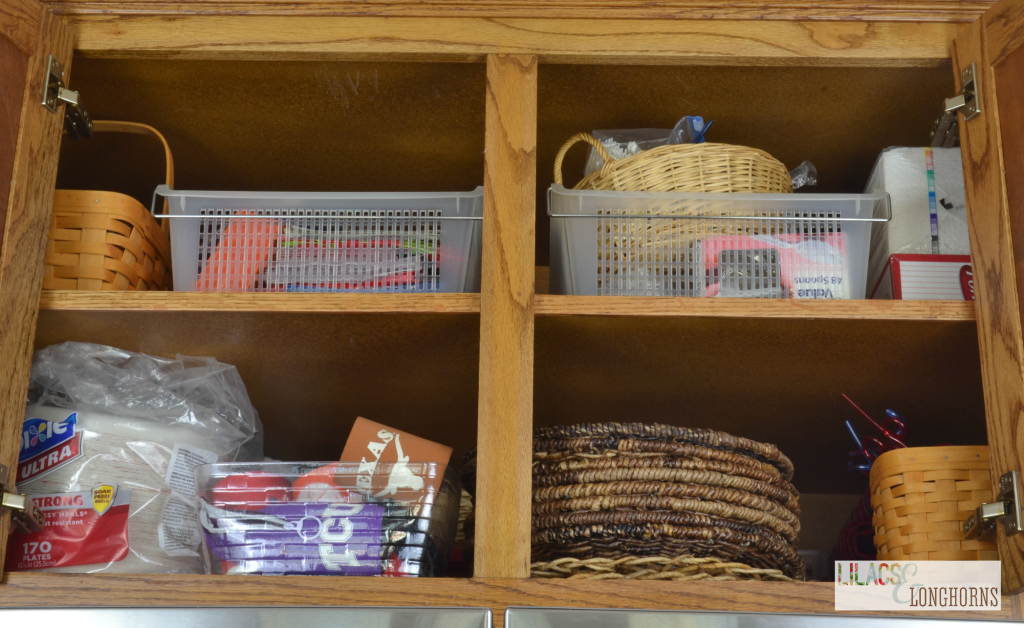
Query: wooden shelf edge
<point>556,305</point>
<point>546,305</point>
<point>27,589</point>
<point>573,41</point>
<point>260,302</point>
<point>838,10</point>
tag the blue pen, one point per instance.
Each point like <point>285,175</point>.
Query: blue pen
<point>703,131</point>
<point>856,438</point>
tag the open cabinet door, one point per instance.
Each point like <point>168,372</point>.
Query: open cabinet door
<point>993,153</point>
<point>29,146</point>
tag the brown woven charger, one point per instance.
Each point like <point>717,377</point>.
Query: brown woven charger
<point>648,501</point>
<point>604,436</point>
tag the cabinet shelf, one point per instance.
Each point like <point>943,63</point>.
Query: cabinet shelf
<point>28,589</point>
<point>546,305</point>
<point>356,303</point>
<point>555,305</point>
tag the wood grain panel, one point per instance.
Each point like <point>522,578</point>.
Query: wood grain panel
<point>13,72</point>
<point>309,375</point>
<point>1003,31</point>
<point>996,279</point>
<point>54,590</point>
<point>506,313</point>
<point>775,380</point>
<point>555,41</point>
<point>256,302</point>
<point>19,23</point>
<point>1008,74</point>
<point>855,10</point>
<point>24,236</point>
<point>557,305</point>
<point>277,125</point>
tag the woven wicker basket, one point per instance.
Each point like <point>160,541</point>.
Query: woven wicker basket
<point>922,495</point>
<point>683,168</point>
<point>108,240</point>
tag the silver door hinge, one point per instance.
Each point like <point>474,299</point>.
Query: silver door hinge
<point>25,515</point>
<point>968,100</point>
<point>77,122</point>
<point>1006,510</point>
<point>946,132</point>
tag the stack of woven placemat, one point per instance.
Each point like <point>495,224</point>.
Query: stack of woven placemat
<point>648,501</point>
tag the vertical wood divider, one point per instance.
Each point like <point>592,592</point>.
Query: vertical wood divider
<point>504,441</point>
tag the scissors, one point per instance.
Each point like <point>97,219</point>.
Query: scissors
<point>893,429</point>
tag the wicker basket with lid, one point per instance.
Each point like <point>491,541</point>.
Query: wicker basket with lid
<point>704,167</point>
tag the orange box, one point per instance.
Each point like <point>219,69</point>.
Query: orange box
<point>383,454</point>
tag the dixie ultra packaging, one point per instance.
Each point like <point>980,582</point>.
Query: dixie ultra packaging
<point>109,446</point>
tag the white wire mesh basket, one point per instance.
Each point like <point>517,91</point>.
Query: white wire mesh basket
<point>325,242</point>
<point>805,246</point>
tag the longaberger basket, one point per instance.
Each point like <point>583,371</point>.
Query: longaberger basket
<point>921,496</point>
<point>108,240</point>
<point>683,168</point>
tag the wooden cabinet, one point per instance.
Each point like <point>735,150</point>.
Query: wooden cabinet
<point>399,96</point>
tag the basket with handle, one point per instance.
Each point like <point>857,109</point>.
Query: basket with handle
<point>921,497</point>
<point>107,240</point>
<point>705,167</point>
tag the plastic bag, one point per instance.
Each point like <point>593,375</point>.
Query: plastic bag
<point>689,130</point>
<point>804,174</point>
<point>622,143</point>
<point>916,179</point>
<point>110,441</point>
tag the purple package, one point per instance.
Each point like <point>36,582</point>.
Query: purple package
<point>309,538</point>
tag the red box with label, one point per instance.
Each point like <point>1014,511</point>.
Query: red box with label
<point>926,278</point>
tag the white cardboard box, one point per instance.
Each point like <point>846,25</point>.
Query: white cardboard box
<point>926,278</point>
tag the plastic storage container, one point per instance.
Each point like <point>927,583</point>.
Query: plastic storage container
<point>328,518</point>
<point>808,246</point>
<point>325,241</point>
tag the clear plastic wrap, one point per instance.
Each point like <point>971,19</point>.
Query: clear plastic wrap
<point>918,179</point>
<point>803,175</point>
<point>132,423</point>
<point>689,130</point>
<point>624,142</point>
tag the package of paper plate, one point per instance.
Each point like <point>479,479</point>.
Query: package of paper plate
<point>929,213</point>
<point>109,447</point>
